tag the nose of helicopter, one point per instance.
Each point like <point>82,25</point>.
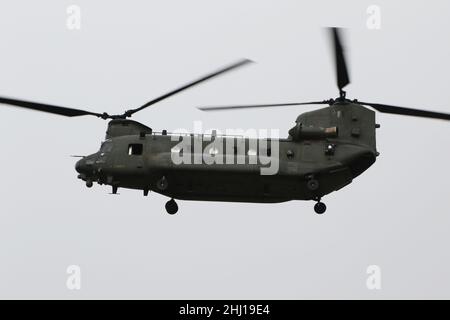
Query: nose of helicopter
<point>85,167</point>
<point>79,165</point>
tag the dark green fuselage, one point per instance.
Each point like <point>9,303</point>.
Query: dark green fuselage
<point>333,160</point>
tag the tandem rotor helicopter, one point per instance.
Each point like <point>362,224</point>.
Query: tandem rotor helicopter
<point>324,151</point>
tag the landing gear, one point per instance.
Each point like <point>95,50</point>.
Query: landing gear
<point>89,183</point>
<point>171,207</point>
<point>320,207</point>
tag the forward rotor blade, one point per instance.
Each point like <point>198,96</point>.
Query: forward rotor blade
<point>235,65</point>
<point>407,111</point>
<point>63,111</point>
<point>341,66</point>
<point>217,108</point>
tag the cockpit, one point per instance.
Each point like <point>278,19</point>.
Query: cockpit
<point>106,147</point>
<point>90,167</point>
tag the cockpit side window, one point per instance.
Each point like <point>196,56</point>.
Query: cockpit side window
<point>135,149</point>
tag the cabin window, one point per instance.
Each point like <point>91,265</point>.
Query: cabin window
<point>135,149</point>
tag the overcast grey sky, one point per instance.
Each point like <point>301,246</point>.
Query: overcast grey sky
<point>395,216</point>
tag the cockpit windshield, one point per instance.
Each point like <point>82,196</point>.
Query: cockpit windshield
<point>106,146</point>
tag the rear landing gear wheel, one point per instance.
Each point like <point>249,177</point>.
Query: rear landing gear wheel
<point>320,207</point>
<point>171,207</point>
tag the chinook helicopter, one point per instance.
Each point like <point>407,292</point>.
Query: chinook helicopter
<point>324,151</point>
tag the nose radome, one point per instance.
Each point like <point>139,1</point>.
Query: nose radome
<point>80,165</point>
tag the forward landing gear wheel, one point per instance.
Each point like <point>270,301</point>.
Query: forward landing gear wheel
<point>320,207</point>
<point>171,207</point>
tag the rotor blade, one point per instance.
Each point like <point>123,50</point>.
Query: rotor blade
<point>341,66</point>
<point>407,111</point>
<point>63,111</point>
<point>216,108</point>
<point>190,84</point>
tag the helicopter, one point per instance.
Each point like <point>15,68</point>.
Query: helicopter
<point>325,150</point>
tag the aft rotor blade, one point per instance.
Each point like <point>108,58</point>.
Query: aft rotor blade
<point>63,111</point>
<point>407,111</point>
<point>233,66</point>
<point>217,108</point>
<point>340,64</point>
